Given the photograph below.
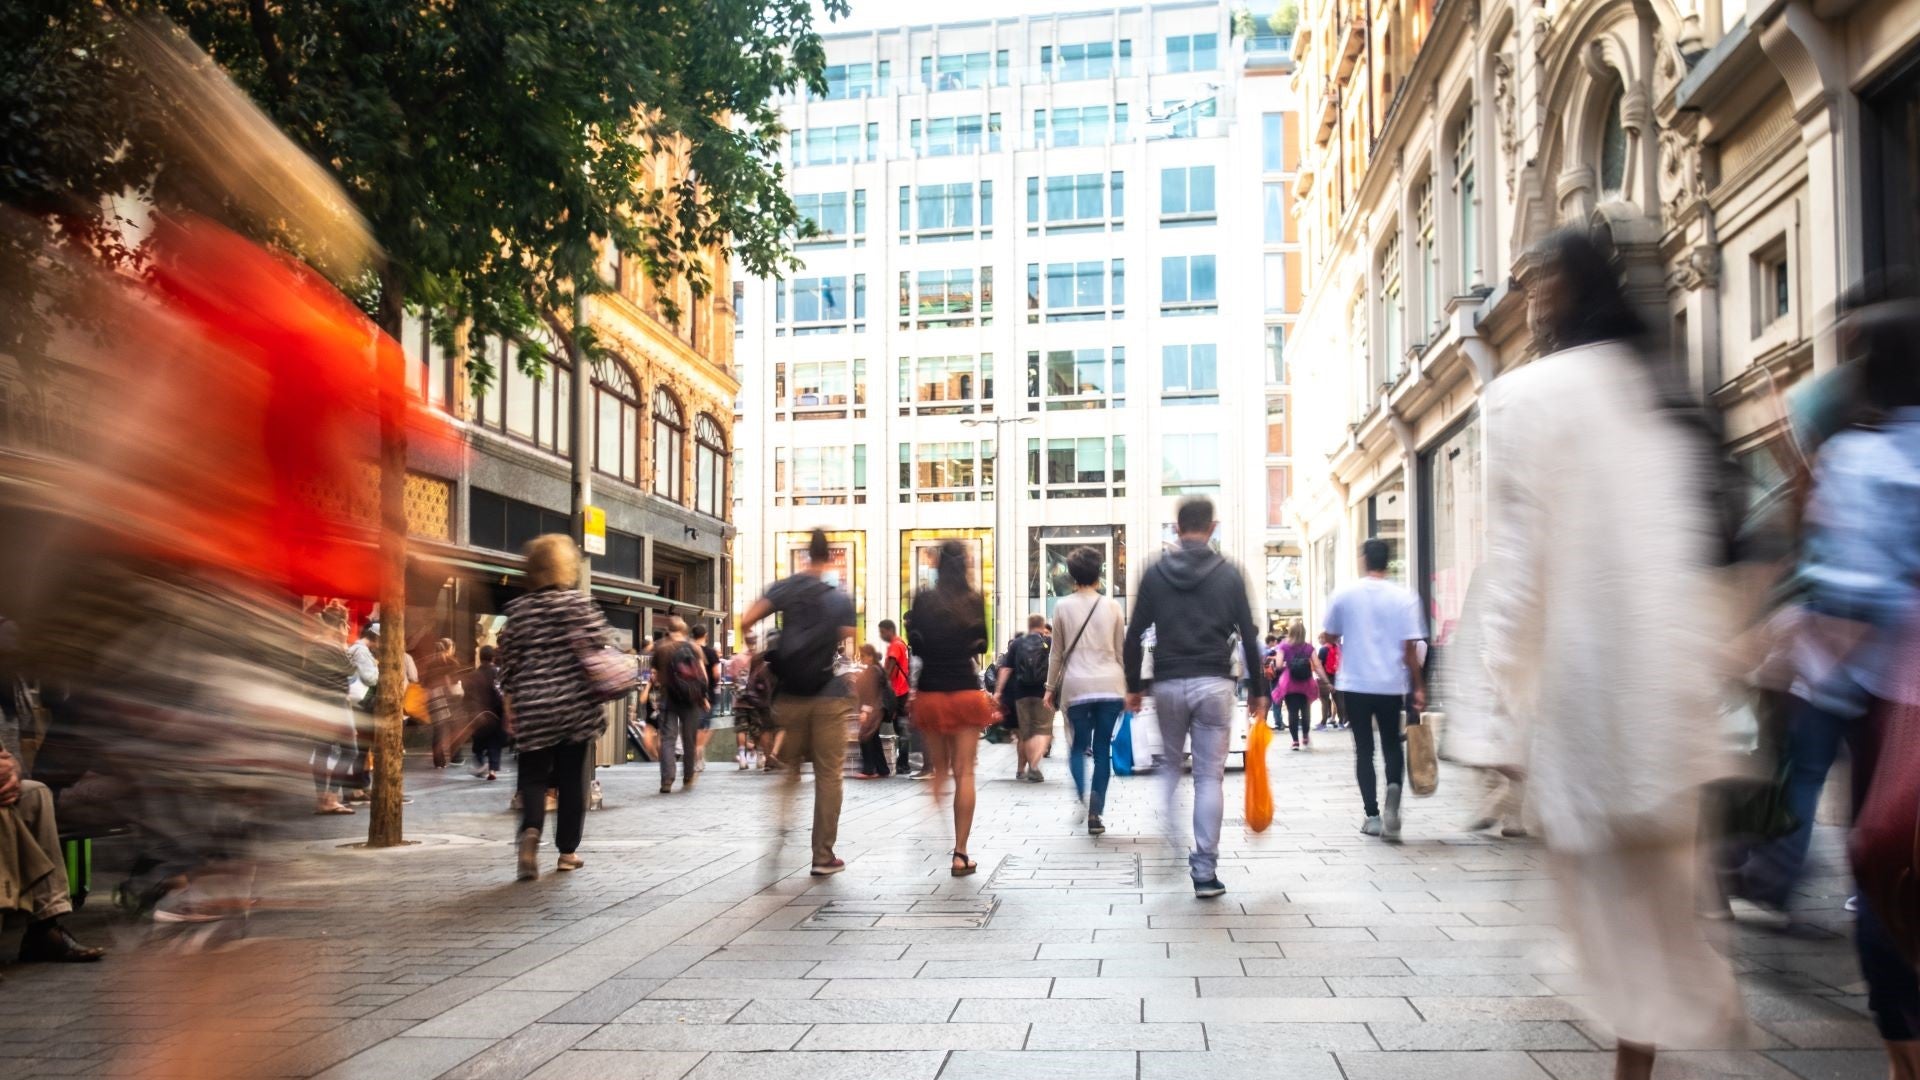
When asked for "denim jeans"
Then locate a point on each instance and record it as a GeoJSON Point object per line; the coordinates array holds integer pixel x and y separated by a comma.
{"type": "Point", "coordinates": [1202, 708]}
{"type": "Point", "coordinates": [1091, 724]}
{"type": "Point", "coordinates": [1814, 737]}
{"type": "Point", "coordinates": [679, 724]}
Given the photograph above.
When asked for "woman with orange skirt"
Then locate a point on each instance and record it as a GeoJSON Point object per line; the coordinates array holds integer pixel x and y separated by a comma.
{"type": "Point", "coordinates": [947, 629]}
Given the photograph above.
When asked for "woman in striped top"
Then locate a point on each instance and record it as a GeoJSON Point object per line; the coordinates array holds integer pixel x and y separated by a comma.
{"type": "Point", "coordinates": [552, 712]}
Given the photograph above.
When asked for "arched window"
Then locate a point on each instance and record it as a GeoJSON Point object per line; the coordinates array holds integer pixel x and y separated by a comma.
{"type": "Point", "coordinates": [709, 467]}
{"type": "Point", "coordinates": [616, 412]}
{"type": "Point", "coordinates": [1613, 148]}
{"type": "Point", "coordinates": [669, 446]}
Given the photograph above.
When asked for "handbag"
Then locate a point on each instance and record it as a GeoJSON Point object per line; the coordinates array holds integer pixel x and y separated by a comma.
{"type": "Point", "coordinates": [611, 674]}
{"type": "Point", "coordinates": [1123, 745]}
{"type": "Point", "coordinates": [1259, 791]}
{"type": "Point", "coordinates": [1423, 764]}
{"type": "Point", "coordinates": [1885, 845]}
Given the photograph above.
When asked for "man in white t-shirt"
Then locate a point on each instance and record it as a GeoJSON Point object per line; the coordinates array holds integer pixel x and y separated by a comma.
{"type": "Point", "coordinates": [1380, 631]}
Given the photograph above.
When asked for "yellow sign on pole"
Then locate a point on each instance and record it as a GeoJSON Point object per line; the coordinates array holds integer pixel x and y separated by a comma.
{"type": "Point", "coordinates": [594, 531]}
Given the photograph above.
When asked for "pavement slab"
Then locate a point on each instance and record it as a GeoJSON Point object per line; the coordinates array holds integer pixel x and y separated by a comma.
{"type": "Point", "coordinates": [694, 946]}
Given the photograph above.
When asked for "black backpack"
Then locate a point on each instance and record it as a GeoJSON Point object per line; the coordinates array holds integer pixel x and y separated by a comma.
{"type": "Point", "coordinates": [1300, 668]}
{"type": "Point", "coordinates": [1031, 653]}
{"type": "Point", "coordinates": [803, 658]}
{"type": "Point", "coordinates": [686, 673]}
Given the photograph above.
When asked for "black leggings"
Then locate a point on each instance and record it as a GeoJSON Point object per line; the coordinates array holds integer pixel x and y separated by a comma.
{"type": "Point", "coordinates": [1364, 712]}
{"type": "Point", "coordinates": [563, 767]}
{"type": "Point", "coordinates": [1297, 716]}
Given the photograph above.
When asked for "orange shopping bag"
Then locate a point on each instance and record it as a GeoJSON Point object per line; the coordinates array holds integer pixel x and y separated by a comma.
{"type": "Point", "coordinates": [1259, 793]}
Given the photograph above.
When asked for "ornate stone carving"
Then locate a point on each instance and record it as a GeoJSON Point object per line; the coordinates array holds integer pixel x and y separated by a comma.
{"type": "Point", "coordinates": [1504, 109]}
{"type": "Point", "coordinates": [1683, 178]}
{"type": "Point", "coordinates": [1699, 270]}
{"type": "Point", "coordinates": [1542, 33]}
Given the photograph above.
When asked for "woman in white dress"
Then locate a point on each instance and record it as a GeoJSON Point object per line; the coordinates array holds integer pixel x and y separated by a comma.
{"type": "Point", "coordinates": [1599, 635]}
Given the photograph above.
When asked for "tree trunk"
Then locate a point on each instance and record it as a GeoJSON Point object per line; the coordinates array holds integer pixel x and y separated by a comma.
{"type": "Point", "coordinates": [389, 736]}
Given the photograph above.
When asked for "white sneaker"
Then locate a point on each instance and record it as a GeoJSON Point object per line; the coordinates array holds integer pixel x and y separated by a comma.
{"type": "Point", "coordinates": [1371, 826]}
{"type": "Point", "coordinates": [1079, 810]}
{"type": "Point", "coordinates": [1391, 817]}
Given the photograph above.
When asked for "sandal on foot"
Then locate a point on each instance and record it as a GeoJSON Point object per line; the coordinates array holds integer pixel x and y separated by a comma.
{"type": "Point", "coordinates": [963, 865]}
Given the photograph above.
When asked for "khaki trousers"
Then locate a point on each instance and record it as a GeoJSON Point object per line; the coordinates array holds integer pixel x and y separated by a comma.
{"type": "Point", "coordinates": [815, 730]}
{"type": "Point", "coordinates": [34, 877]}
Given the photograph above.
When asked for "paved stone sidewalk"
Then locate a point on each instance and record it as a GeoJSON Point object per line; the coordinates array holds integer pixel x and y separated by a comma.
{"type": "Point", "coordinates": [695, 945]}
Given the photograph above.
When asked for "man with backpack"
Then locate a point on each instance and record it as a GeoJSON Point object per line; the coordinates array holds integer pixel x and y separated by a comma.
{"type": "Point", "coordinates": [1195, 602]}
{"type": "Point", "coordinates": [1023, 674]}
{"type": "Point", "coordinates": [680, 671]}
{"type": "Point", "coordinates": [811, 705]}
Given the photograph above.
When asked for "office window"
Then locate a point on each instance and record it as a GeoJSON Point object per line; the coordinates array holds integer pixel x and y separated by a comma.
{"type": "Point", "coordinates": [946, 297]}
{"type": "Point", "coordinates": [949, 135]}
{"type": "Point", "coordinates": [1184, 121]}
{"type": "Point", "coordinates": [738, 309]}
{"type": "Point", "coordinates": [1465, 199]}
{"type": "Point", "coordinates": [518, 404]}
{"type": "Point", "coordinates": [710, 467]}
{"type": "Point", "coordinates": [1276, 356]}
{"type": "Point", "coordinates": [857, 80]}
{"type": "Point", "coordinates": [616, 409]}
{"type": "Point", "coordinates": [502, 524]}
{"type": "Point", "coordinates": [1187, 192]}
{"type": "Point", "coordinates": [945, 207]}
{"type": "Point", "coordinates": [1272, 142]}
{"type": "Point", "coordinates": [1279, 489]}
{"type": "Point", "coordinates": [1273, 283]}
{"type": "Point", "coordinates": [1193, 52]}
{"type": "Point", "coordinates": [1190, 464]}
{"type": "Point", "coordinates": [828, 213]}
{"type": "Point", "coordinates": [1076, 291]}
{"type": "Point", "coordinates": [964, 71]}
{"type": "Point", "coordinates": [669, 446]}
{"type": "Point", "coordinates": [1772, 286]}
{"type": "Point", "coordinates": [1277, 426]}
{"type": "Point", "coordinates": [946, 471]}
{"type": "Point", "coordinates": [1080, 468]}
{"type": "Point", "coordinates": [1390, 357]}
{"type": "Point", "coordinates": [1091, 60]}
{"type": "Point", "coordinates": [1076, 200]}
{"type": "Point", "coordinates": [818, 305]}
{"type": "Point", "coordinates": [1068, 379]}
{"type": "Point", "coordinates": [1187, 284]}
{"type": "Point", "coordinates": [941, 385]}
{"type": "Point", "coordinates": [831, 145]}
{"type": "Point", "coordinates": [1273, 204]}
{"type": "Point", "coordinates": [1427, 254]}
{"type": "Point", "coordinates": [1190, 374]}
{"type": "Point", "coordinates": [1091, 125]}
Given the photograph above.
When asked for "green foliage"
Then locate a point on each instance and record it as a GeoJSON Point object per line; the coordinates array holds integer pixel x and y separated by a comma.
{"type": "Point", "coordinates": [1285, 18]}
{"type": "Point", "coordinates": [494, 146]}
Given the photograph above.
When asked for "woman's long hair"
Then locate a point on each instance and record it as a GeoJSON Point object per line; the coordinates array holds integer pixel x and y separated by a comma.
{"type": "Point", "coordinates": [1597, 307]}
{"type": "Point", "coordinates": [952, 599]}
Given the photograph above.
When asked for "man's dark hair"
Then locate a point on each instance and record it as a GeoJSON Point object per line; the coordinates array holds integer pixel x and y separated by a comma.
{"type": "Point", "coordinates": [699, 632]}
{"type": "Point", "coordinates": [1374, 554]}
{"type": "Point", "coordinates": [659, 636]}
{"type": "Point", "coordinates": [888, 625]}
{"type": "Point", "coordinates": [486, 654]}
{"type": "Point", "coordinates": [1195, 515]}
{"type": "Point", "coordinates": [1273, 639]}
{"type": "Point", "coordinates": [817, 553]}
{"type": "Point", "coordinates": [1084, 565]}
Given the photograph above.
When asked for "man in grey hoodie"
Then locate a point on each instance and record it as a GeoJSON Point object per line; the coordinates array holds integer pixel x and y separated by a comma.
{"type": "Point", "coordinates": [1196, 602]}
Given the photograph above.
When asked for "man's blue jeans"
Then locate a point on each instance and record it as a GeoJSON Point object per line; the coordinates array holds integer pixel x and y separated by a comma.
{"type": "Point", "coordinates": [1202, 708]}
{"type": "Point", "coordinates": [1092, 726]}
{"type": "Point", "coordinates": [1814, 737]}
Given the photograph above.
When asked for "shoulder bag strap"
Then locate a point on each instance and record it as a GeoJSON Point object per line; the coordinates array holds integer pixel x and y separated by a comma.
{"type": "Point", "coordinates": [1053, 687]}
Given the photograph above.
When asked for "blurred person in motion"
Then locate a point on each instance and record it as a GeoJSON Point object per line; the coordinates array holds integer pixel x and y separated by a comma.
{"type": "Point", "coordinates": [1380, 631]}
{"type": "Point", "coordinates": [1087, 677]}
{"type": "Point", "coordinates": [485, 713]}
{"type": "Point", "coordinates": [1023, 680]}
{"type": "Point", "coordinates": [440, 675]}
{"type": "Point", "coordinates": [812, 705]}
{"type": "Point", "coordinates": [1296, 682]}
{"type": "Point", "coordinates": [680, 671]}
{"type": "Point", "coordinates": [749, 712]}
{"type": "Point", "coordinates": [551, 708]}
{"type": "Point", "coordinates": [327, 673]}
{"type": "Point", "coordinates": [873, 691]}
{"type": "Point", "coordinates": [1329, 656]}
{"type": "Point", "coordinates": [1194, 602]}
{"type": "Point", "coordinates": [1603, 535]}
{"type": "Point", "coordinates": [947, 630]}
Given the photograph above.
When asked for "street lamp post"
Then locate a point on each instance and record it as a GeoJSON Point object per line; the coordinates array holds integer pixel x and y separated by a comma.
{"type": "Point", "coordinates": [998, 423]}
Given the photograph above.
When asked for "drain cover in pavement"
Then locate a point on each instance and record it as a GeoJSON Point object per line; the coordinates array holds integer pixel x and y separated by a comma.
{"type": "Point", "coordinates": [1117, 870]}
{"type": "Point", "coordinates": [966, 913]}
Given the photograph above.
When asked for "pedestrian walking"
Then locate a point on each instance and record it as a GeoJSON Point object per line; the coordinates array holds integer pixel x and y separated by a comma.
{"type": "Point", "coordinates": [947, 630]}
{"type": "Point", "coordinates": [898, 667]}
{"type": "Point", "coordinates": [811, 705]}
{"type": "Point", "coordinates": [327, 673]}
{"type": "Point", "coordinates": [1194, 602]}
{"type": "Point", "coordinates": [1329, 657]}
{"type": "Point", "coordinates": [1379, 628]}
{"type": "Point", "coordinates": [698, 635]}
{"type": "Point", "coordinates": [1088, 677]}
{"type": "Point", "coordinates": [440, 676]}
{"type": "Point", "coordinates": [486, 712]}
{"type": "Point", "coordinates": [681, 674]}
{"type": "Point", "coordinates": [1580, 632]}
{"type": "Point", "coordinates": [1023, 680]}
{"type": "Point", "coordinates": [552, 710]}
{"type": "Point", "coordinates": [1297, 678]}
{"type": "Point", "coordinates": [873, 691]}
